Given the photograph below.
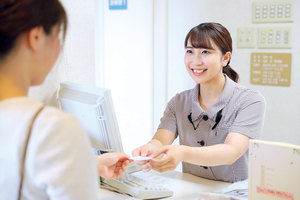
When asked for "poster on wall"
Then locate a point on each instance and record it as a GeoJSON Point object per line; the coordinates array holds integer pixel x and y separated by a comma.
{"type": "Point", "coordinates": [271, 69]}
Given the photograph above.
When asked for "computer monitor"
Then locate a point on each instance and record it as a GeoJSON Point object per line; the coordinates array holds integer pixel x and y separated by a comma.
{"type": "Point", "coordinates": [94, 108]}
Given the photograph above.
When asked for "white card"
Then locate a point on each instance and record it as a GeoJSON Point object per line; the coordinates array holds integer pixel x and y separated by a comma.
{"type": "Point", "coordinates": [139, 158]}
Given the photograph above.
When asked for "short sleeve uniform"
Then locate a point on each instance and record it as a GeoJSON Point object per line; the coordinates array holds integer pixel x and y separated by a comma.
{"type": "Point", "coordinates": [239, 110]}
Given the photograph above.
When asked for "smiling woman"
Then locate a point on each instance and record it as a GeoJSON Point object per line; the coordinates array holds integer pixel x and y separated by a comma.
{"type": "Point", "coordinates": [202, 37]}
{"type": "Point", "coordinates": [214, 121]}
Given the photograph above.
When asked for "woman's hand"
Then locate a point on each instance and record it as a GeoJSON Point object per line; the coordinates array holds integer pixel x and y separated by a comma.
{"type": "Point", "coordinates": [112, 165]}
{"type": "Point", "coordinates": [149, 150]}
{"type": "Point", "coordinates": [167, 158]}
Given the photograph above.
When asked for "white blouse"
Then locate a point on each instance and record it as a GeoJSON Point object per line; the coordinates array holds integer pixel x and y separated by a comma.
{"type": "Point", "coordinates": [59, 163]}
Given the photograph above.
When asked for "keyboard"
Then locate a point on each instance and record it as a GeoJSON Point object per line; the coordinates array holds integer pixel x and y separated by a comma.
{"type": "Point", "coordinates": [137, 187]}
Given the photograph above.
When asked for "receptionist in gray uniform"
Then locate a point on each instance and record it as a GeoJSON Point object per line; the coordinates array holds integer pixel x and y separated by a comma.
{"type": "Point", "coordinates": [214, 121]}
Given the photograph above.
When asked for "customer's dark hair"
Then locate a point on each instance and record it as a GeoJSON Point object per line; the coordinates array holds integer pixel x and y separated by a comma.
{"type": "Point", "coordinates": [19, 16]}
{"type": "Point", "coordinates": [205, 35]}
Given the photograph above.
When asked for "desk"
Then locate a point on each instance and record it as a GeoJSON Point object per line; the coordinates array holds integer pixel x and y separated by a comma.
{"type": "Point", "coordinates": [183, 185]}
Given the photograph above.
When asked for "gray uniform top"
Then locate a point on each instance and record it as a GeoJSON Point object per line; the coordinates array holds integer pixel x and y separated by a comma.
{"type": "Point", "coordinates": [239, 110]}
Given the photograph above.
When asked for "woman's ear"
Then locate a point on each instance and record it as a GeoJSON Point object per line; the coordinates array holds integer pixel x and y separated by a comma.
{"type": "Point", "coordinates": [226, 58]}
{"type": "Point", "coordinates": [35, 37]}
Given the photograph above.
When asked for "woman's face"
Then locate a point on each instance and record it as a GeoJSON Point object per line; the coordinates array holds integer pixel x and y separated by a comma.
{"type": "Point", "coordinates": [204, 65]}
{"type": "Point", "coordinates": [47, 56]}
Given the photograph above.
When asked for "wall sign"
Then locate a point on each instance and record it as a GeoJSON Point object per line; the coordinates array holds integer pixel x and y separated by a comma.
{"type": "Point", "coordinates": [271, 68]}
{"type": "Point", "coordinates": [117, 4]}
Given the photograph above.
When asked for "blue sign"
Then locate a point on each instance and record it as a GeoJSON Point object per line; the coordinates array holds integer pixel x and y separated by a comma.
{"type": "Point", "coordinates": [117, 4]}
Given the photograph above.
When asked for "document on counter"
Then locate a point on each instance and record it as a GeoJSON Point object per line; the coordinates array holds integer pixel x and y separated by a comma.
{"type": "Point", "coordinates": [235, 191]}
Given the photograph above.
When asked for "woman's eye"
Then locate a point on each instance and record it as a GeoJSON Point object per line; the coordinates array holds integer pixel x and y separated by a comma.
{"type": "Point", "coordinates": [205, 52]}
{"type": "Point", "coordinates": [189, 51]}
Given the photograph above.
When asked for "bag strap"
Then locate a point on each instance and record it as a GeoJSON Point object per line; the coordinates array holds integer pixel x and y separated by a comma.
{"type": "Point", "coordinates": [23, 158]}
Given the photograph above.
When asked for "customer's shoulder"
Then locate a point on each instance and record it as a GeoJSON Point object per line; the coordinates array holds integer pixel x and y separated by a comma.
{"type": "Point", "coordinates": [28, 107]}
{"type": "Point", "coordinates": [53, 114]}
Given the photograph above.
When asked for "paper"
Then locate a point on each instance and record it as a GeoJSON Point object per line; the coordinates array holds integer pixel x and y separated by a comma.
{"type": "Point", "coordinates": [236, 191]}
{"type": "Point", "coordinates": [140, 158]}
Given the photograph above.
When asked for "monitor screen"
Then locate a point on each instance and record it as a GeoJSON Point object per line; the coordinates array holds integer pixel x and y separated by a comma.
{"type": "Point", "coordinates": [94, 108]}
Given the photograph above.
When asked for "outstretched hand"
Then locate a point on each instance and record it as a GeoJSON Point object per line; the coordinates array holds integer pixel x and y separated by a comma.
{"type": "Point", "coordinates": [167, 158]}
{"type": "Point", "coordinates": [112, 165]}
{"type": "Point", "coordinates": [146, 150]}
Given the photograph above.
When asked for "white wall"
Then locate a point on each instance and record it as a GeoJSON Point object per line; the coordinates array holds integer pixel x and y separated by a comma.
{"type": "Point", "coordinates": [127, 67]}
{"type": "Point", "coordinates": [282, 115]}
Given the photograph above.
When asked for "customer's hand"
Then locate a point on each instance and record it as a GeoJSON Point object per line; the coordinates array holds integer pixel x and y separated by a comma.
{"type": "Point", "coordinates": [112, 165]}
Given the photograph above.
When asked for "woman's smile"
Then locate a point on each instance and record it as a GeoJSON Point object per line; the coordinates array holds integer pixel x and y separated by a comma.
{"type": "Point", "coordinates": [198, 72]}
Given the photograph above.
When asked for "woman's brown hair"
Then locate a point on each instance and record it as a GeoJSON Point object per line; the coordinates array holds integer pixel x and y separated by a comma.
{"type": "Point", "coordinates": [19, 16]}
{"type": "Point", "coordinates": [205, 35]}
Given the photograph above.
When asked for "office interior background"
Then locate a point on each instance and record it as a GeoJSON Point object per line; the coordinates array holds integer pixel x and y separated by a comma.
{"type": "Point", "coordinates": [138, 53]}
